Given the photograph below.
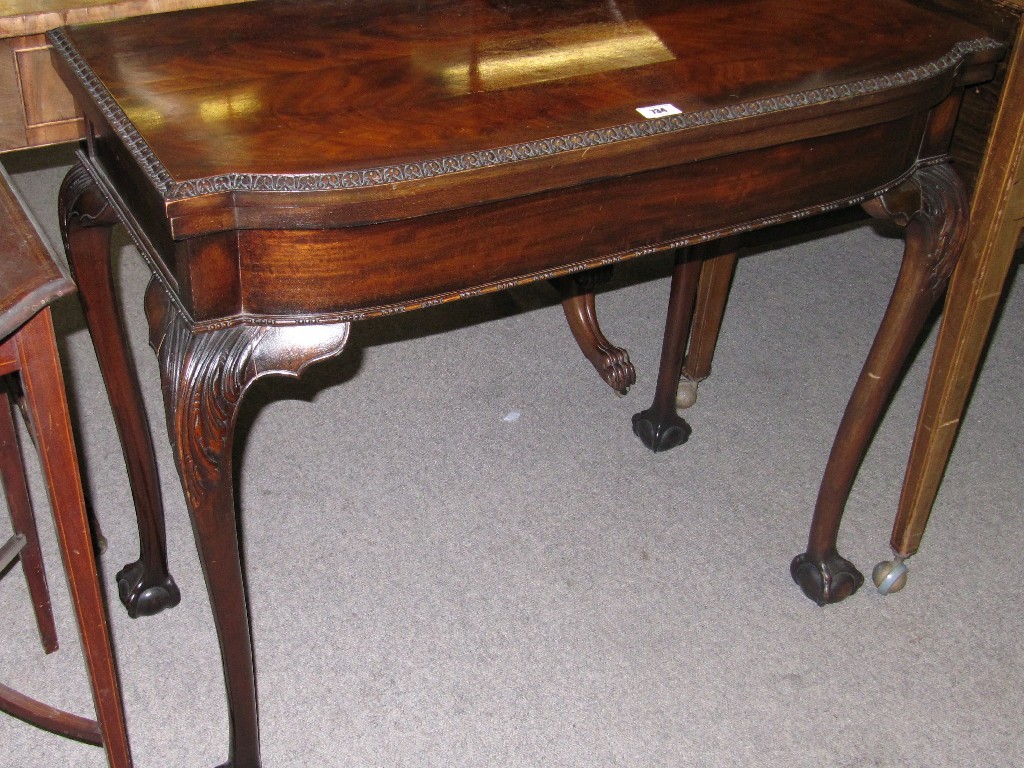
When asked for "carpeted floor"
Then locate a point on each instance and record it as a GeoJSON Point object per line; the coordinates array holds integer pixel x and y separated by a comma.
{"type": "Point", "coordinates": [435, 582]}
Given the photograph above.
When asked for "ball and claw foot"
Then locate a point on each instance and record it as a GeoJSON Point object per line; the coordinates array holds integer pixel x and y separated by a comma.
{"type": "Point", "coordinates": [145, 599]}
{"type": "Point", "coordinates": [825, 580]}
{"type": "Point", "coordinates": [686, 394]}
{"type": "Point", "coordinates": [660, 433]}
{"type": "Point", "coordinates": [890, 576]}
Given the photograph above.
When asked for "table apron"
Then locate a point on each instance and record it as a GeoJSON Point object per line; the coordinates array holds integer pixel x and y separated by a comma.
{"type": "Point", "coordinates": [368, 270]}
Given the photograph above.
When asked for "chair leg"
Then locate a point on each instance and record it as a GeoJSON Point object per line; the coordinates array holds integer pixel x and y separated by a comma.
{"type": "Point", "coordinates": [44, 393]}
{"type": "Point", "coordinates": [12, 472]}
{"type": "Point", "coordinates": [49, 718]}
{"type": "Point", "coordinates": [18, 402]}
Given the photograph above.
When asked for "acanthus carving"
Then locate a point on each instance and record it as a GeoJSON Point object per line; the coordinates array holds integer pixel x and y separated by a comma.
{"type": "Point", "coordinates": [436, 167]}
{"type": "Point", "coordinates": [932, 205]}
{"type": "Point", "coordinates": [81, 199]}
{"type": "Point", "coordinates": [205, 375]}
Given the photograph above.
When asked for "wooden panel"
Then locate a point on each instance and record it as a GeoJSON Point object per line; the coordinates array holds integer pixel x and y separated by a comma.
{"type": "Point", "coordinates": [49, 109]}
{"type": "Point", "coordinates": [28, 17]}
{"type": "Point", "coordinates": [45, 97]}
{"type": "Point", "coordinates": [12, 111]}
{"type": "Point", "coordinates": [29, 278]}
{"type": "Point", "coordinates": [37, 108]}
{"type": "Point", "coordinates": [368, 270]}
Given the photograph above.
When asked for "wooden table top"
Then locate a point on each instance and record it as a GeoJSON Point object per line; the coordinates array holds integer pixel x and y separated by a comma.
{"type": "Point", "coordinates": [29, 277]}
{"type": "Point", "coordinates": [384, 98]}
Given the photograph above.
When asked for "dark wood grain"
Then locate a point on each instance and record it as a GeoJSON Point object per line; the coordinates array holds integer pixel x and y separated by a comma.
{"type": "Point", "coordinates": [306, 97]}
{"type": "Point", "coordinates": [287, 168]}
{"type": "Point", "coordinates": [350, 86]}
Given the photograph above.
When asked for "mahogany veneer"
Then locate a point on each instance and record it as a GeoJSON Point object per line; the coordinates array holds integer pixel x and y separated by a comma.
{"type": "Point", "coordinates": [289, 168]}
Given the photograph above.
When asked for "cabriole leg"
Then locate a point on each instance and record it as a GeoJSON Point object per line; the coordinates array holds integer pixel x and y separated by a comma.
{"type": "Point", "coordinates": [86, 218]}
{"type": "Point", "coordinates": [932, 208]}
{"type": "Point", "coordinates": [205, 375]}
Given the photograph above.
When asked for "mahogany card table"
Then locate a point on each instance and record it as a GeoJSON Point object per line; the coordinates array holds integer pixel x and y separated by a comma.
{"type": "Point", "coordinates": [289, 168]}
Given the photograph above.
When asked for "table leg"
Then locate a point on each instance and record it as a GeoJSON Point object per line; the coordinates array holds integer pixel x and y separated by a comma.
{"type": "Point", "coordinates": [660, 427]}
{"type": "Point", "coordinates": [611, 362]}
{"type": "Point", "coordinates": [932, 208]}
{"type": "Point", "coordinates": [86, 218]}
{"type": "Point", "coordinates": [716, 273]}
{"type": "Point", "coordinates": [19, 504]}
{"type": "Point", "coordinates": [205, 374]}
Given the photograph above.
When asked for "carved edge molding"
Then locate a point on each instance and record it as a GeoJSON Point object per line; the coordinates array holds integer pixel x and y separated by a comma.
{"type": "Point", "coordinates": [171, 189]}
{"type": "Point", "coordinates": [205, 375]}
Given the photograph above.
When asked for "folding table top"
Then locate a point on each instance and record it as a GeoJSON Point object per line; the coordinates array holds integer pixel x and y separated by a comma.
{"type": "Point", "coordinates": [320, 95]}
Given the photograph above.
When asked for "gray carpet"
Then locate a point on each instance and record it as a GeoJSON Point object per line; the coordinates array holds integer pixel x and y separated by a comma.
{"type": "Point", "coordinates": [435, 582]}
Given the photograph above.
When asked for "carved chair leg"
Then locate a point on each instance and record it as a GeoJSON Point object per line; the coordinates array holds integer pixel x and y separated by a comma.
{"type": "Point", "coordinates": [145, 586]}
{"type": "Point", "coordinates": [932, 207]}
{"type": "Point", "coordinates": [611, 362]}
{"type": "Point", "coordinates": [205, 375]}
{"type": "Point", "coordinates": [660, 427]}
{"type": "Point", "coordinates": [12, 472]}
{"type": "Point", "coordinates": [716, 273]}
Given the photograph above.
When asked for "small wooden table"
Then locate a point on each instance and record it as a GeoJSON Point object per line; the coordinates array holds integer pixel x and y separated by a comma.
{"type": "Point", "coordinates": [287, 169]}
